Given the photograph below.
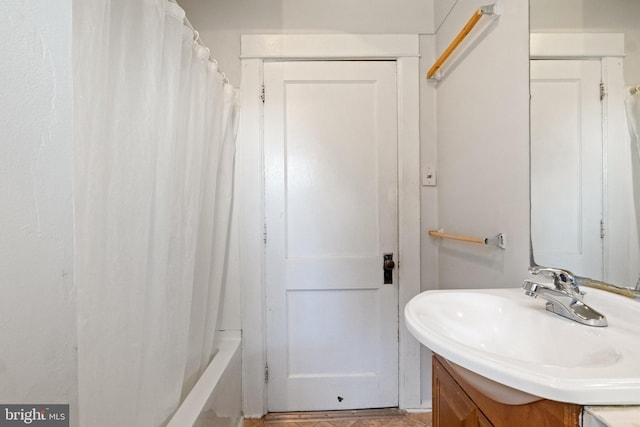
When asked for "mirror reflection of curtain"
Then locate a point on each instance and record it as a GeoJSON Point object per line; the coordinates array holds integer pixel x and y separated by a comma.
{"type": "Point", "coordinates": [632, 104]}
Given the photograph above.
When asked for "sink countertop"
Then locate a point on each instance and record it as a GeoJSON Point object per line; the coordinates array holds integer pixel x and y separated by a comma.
{"type": "Point", "coordinates": [616, 416]}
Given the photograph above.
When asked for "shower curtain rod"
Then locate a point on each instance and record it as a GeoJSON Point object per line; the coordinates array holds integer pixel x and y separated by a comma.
{"type": "Point", "coordinates": [635, 90]}
{"type": "Point", "coordinates": [198, 40]}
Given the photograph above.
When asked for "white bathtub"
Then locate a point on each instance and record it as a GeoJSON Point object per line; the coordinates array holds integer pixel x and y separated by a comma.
{"type": "Point", "coordinates": [216, 399]}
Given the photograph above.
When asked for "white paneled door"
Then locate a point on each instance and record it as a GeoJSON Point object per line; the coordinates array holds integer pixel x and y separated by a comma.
{"type": "Point", "coordinates": [331, 216]}
{"type": "Point", "coordinates": [566, 165]}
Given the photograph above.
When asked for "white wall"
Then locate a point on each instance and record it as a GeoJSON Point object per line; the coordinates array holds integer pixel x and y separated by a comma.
{"type": "Point", "coordinates": [441, 9]}
{"type": "Point", "coordinates": [221, 22]}
{"type": "Point", "coordinates": [614, 16]}
{"type": "Point", "coordinates": [483, 148]}
{"type": "Point", "coordinates": [37, 308]}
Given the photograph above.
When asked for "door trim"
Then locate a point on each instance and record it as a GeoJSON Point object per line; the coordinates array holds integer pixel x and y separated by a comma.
{"type": "Point", "coordinates": [255, 50]}
{"type": "Point", "coordinates": [575, 45]}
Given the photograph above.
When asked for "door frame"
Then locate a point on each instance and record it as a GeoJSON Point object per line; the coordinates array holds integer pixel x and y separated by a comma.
{"type": "Point", "coordinates": [609, 49]}
{"type": "Point", "coordinates": [255, 50]}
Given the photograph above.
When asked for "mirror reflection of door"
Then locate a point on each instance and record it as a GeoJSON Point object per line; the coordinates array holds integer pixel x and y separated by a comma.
{"type": "Point", "coordinates": [566, 165]}
{"type": "Point", "coordinates": [609, 31]}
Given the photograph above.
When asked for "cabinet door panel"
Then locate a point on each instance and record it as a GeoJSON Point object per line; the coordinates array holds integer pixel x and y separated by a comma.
{"type": "Point", "coordinates": [483, 421]}
{"type": "Point", "coordinates": [451, 405]}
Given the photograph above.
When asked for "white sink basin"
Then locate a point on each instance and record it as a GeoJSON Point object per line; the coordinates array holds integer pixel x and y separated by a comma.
{"type": "Point", "coordinates": [512, 339]}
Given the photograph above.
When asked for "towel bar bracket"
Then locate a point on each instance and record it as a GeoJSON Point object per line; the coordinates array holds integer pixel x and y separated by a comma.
{"type": "Point", "coordinates": [490, 9]}
{"type": "Point", "coordinates": [499, 240]}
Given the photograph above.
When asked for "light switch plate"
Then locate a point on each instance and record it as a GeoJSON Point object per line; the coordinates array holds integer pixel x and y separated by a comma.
{"type": "Point", "coordinates": [429, 176]}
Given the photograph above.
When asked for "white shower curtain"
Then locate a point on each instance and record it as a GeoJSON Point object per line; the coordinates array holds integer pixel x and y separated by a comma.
{"type": "Point", "coordinates": [155, 126]}
{"type": "Point", "coordinates": [632, 104]}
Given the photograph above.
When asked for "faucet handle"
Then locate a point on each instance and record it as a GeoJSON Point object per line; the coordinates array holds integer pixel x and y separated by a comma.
{"type": "Point", "coordinates": [562, 279]}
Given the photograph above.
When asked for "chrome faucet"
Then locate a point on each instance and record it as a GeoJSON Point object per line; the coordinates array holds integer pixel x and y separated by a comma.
{"type": "Point", "coordinates": [564, 298]}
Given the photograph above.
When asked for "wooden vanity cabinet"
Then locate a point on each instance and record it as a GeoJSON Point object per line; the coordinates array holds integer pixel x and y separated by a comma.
{"type": "Point", "coordinates": [458, 404]}
{"type": "Point", "coordinates": [452, 407]}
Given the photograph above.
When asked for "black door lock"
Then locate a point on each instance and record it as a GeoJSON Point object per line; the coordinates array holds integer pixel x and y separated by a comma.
{"type": "Point", "coordinates": [387, 267]}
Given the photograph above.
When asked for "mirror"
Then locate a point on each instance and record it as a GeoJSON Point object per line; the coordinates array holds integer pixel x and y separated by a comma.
{"type": "Point", "coordinates": [585, 156]}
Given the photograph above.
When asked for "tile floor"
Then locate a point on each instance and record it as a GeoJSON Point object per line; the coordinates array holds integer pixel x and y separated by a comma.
{"type": "Point", "coordinates": [328, 419]}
